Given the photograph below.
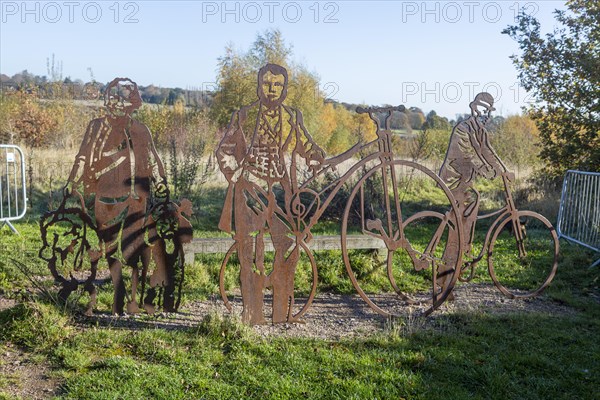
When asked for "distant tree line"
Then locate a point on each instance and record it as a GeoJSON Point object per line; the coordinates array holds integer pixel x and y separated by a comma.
{"type": "Point", "coordinates": [39, 111]}
{"type": "Point", "coordinates": [46, 88]}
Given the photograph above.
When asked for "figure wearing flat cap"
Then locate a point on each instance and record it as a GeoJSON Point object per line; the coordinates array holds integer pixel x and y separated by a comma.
{"type": "Point", "coordinates": [469, 156]}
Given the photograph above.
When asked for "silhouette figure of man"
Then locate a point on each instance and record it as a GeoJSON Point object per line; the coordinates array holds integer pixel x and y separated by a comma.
{"type": "Point", "coordinates": [117, 174]}
{"type": "Point", "coordinates": [264, 147]}
{"type": "Point", "coordinates": [470, 155]}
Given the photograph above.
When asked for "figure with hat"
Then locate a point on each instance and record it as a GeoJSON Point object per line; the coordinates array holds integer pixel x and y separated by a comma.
{"type": "Point", "coordinates": [120, 184]}
{"type": "Point", "coordinates": [469, 156]}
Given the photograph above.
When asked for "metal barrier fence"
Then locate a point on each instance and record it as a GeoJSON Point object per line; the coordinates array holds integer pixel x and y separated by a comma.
{"type": "Point", "coordinates": [13, 190]}
{"type": "Point", "coordinates": [579, 212]}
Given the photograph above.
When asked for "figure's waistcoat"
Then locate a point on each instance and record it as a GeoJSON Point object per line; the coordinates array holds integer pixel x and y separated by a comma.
{"type": "Point", "coordinates": [265, 157]}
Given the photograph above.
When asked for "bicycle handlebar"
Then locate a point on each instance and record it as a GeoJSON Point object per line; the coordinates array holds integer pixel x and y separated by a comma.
{"type": "Point", "coordinates": [364, 110]}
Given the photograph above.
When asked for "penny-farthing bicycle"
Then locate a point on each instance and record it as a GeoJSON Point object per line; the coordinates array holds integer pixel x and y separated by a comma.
{"type": "Point", "coordinates": [384, 193]}
{"type": "Point", "coordinates": [385, 197]}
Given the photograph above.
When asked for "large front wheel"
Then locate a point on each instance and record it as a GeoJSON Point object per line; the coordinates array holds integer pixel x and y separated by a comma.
{"type": "Point", "coordinates": [422, 256]}
{"type": "Point", "coordinates": [523, 254]}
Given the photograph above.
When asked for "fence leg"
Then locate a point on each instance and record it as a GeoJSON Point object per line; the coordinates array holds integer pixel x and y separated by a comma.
{"type": "Point", "coordinates": [12, 228]}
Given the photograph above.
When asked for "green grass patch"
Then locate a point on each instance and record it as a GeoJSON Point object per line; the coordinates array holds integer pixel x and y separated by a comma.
{"type": "Point", "coordinates": [473, 355]}
{"type": "Point", "coordinates": [533, 356]}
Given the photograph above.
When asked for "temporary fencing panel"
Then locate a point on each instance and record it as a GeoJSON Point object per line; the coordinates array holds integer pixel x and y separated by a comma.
{"type": "Point", "coordinates": [13, 190]}
{"type": "Point", "coordinates": [579, 213]}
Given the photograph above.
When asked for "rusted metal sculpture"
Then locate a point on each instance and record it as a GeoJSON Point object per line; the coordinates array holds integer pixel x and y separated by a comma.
{"type": "Point", "coordinates": [469, 156]}
{"type": "Point", "coordinates": [266, 150]}
{"type": "Point", "coordinates": [252, 156]}
{"type": "Point", "coordinates": [376, 202]}
{"type": "Point", "coordinates": [117, 190]}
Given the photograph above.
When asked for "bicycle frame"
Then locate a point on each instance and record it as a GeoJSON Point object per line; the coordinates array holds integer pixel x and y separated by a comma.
{"type": "Point", "coordinates": [301, 214]}
{"type": "Point", "coordinates": [508, 211]}
{"type": "Point", "coordinates": [382, 154]}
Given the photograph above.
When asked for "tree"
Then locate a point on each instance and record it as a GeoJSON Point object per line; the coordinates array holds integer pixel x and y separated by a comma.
{"type": "Point", "coordinates": [420, 148]}
{"type": "Point", "coordinates": [236, 85]}
{"type": "Point", "coordinates": [34, 121]}
{"type": "Point", "coordinates": [304, 94]}
{"type": "Point", "coordinates": [237, 74]}
{"type": "Point", "coordinates": [434, 121]}
{"type": "Point", "coordinates": [9, 112]}
{"type": "Point", "coordinates": [334, 127]}
{"type": "Point", "coordinates": [363, 128]}
{"type": "Point", "coordinates": [270, 47]}
{"type": "Point", "coordinates": [562, 72]}
{"type": "Point", "coordinates": [416, 118]}
{"type": "Point", "coordinates": [496, 122]}
{"type": "Point", "coordinates": [516, 140]}
{"type": "Point", "coordinates": [328, 125]}
{"type": "Point", "coordinates": [399, 121]}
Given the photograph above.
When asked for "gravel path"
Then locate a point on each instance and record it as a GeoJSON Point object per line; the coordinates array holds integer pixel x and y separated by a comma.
{"type": "Point", "coordinates": [333, 316]}
{"type": "Point", "coordinates": [24, 376]}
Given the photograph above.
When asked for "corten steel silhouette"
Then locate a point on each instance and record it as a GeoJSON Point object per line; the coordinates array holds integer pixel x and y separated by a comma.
{"type": "Point", "coordinates": [382, 187]}
{"type": "Point", "coordinates": [469, 156]}
{"type": "Point", "coordinates": [252, 156]}
{"type": "Point", "coordinates": [266, 150]}
{"type": "Point", "coordinates": [119, 183]}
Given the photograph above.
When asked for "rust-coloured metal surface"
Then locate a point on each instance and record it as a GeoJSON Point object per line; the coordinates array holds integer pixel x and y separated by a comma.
{"type": "Point", "coordinates": [470, 156]}
{"type": "Point", "coordinates": [117, 192]}
{"type": "Point", "coordinates": [252, 156]}
{"type": "Point", "coordinates": [267, 151]}
{"type": "Point", "coordinates": [388, 175]}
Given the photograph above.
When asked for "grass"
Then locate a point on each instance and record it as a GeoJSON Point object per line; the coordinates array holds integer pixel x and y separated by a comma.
{"type": "Point", "coordinates": [538, 355]}
{"type": "Point", "coordinates": [469, 355]}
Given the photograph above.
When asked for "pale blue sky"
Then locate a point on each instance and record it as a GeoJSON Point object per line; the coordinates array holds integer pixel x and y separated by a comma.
{"type": "Point", "coordinates": [432, 55]}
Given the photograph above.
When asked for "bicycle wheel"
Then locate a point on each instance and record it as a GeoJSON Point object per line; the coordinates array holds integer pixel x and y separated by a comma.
{"type": "Point", "coordinates": [386, 205]}
{"type": "Point", "coordinates": [305, 282]}
{"type": "Point", "coordinates": [229, 275]}
{"type": "Point", "coordinates": [434, 238]}
{"type": "Point", "coordinates": [70, 244]}
{"type": "Point", "coordinates": [526, 270]}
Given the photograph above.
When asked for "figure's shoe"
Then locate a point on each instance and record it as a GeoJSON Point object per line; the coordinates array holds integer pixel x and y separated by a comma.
{"type": "Point", "coordinates": [296, 321]}
{"type": "Point", "coordinates": [150, 309]}
{"type": "Point", "coordinates": [133, 308]}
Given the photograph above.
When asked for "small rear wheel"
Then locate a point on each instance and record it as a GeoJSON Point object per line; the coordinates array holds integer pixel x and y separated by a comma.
{"type": "Point", "coordinates": [434, 238]}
